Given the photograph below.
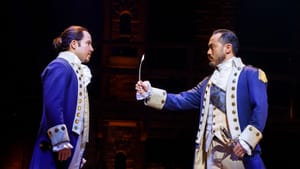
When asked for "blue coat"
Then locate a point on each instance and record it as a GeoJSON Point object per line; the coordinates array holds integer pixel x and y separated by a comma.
{"type": "Point", "coordinates": [251, 104]}
{"type": "Point", "coordinates": [60, 86]}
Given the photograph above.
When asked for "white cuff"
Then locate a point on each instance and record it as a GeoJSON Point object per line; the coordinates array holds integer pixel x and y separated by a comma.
{"type": "Point", "coordinates": [58, 134]}
{"type": "Point", "coordinates": [251, 136]}
{"type": "Point", "coordinates": [62, 146]}
{"type": "Point", "coordinates": [157, 99]}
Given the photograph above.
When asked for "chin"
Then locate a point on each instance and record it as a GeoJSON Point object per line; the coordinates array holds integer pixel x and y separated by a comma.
{"type": "Point", "coordinates": [212, 64]}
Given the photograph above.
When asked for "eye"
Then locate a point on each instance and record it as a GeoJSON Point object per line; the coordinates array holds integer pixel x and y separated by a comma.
{"type": "Point", "coordinates": [89, 42]}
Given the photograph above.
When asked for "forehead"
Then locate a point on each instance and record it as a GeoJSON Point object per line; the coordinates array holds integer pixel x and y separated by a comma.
{"type": "Point", "coordinates": [86, 36]}
{"type": "Point", "coordinates": [214, 38]}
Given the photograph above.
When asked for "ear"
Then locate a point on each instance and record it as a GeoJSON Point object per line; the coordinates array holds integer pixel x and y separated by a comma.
{"type": "Point", "coordinates": [73, 44]}
{"type": "Point", "coordinates": [228, 48]}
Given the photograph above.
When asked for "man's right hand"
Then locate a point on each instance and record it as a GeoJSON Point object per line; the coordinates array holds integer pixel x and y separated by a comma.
{"type": "Point", "coordinates": [143, 89]}
{"type": "Point", "coordinates": [64, 154]}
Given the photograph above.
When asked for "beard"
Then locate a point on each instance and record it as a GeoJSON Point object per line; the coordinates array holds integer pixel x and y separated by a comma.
{"type": "Point", "coordinates": [212, 64]}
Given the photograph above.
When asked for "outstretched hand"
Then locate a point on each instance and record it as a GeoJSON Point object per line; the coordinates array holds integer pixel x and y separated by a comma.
{"type": "Point", "coordinates": [142, 87]}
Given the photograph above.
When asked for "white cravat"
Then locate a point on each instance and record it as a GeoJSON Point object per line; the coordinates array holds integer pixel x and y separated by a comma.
{"type": "Point", "coordinates": [221, 75]}
{"type": "Point", "coordinates": [86, 74]}
{"type": "Point", "coordinates": [72, 58]}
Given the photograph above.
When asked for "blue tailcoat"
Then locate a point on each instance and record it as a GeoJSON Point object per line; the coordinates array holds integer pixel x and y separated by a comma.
{"type": "Point", "coordinates": [60, 86]}
{"type": "Point", "coordinates": [252, 106]}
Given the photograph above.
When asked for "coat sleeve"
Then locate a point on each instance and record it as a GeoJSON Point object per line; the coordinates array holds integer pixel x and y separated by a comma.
{"type": "Point", "coordinates": [186, 100]}
{"type": "Point", "coordinates": [257, 85]}
{"type": "Point", "coordinates": [55, 79]}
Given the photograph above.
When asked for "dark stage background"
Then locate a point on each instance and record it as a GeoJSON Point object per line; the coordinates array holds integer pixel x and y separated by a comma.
{"type": "Point", "coordinates": [269, 37]}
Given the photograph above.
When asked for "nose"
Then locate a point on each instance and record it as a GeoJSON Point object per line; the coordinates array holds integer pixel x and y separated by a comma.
{"type": "Point", "coordinates": [92, 49]}
{"type": "Point", "coordinates": [208, 52]}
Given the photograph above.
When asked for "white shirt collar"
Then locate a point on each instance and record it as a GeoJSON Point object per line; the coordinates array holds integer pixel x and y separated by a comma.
{"type": "Point", "coordinates": [225, 65]}
{"type": "Point", "coordinates": [72, 58]}
{"type": "Point", "coordinates": [222, 72]}
{"type": "Point", "coordinates": [69, 56]}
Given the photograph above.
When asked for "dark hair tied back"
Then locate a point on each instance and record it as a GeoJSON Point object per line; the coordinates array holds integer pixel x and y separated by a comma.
{"type": "Point", "coordinates": [62, 42]}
